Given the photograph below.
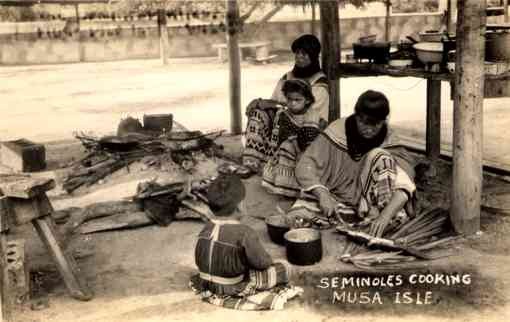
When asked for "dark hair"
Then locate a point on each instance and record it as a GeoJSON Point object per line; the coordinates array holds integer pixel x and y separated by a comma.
{"type": "Point", "coordinates": [312, 46]}
{"type": "Point", "coordinates": [373, 104]}
{"type": "Point", "coordinates": [299, 86]}
{"type": "Point", "coordinates": [225, 193]}
{"type": "Point", "coordinates": [309, 43]}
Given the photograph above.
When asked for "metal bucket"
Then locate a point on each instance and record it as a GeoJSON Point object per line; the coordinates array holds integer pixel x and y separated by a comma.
{"type": "Point", "coordinates": [497, 46]}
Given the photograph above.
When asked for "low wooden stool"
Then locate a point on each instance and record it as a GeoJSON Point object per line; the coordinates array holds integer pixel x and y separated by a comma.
{"type": "Point", "coordinates": [23, 200]}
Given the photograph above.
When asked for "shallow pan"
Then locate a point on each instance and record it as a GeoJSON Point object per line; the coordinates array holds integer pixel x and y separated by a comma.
{"type": "Point", "coordinates": [118, 143]}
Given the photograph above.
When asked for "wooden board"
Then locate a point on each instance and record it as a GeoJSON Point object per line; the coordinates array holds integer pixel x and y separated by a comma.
{"type": "Point", "coordinates": [20, 186]}
{"type": "Point", "coordinates": [6, 215]}
{"type": "Point", "coordinates": [65, 262]}
{"type": "Point", "coordinates": [26, 210]}
{"type": "Point", "coordinates": [119, 221]}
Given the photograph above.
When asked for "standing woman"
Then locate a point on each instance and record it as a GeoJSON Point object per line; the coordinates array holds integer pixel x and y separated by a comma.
{"type": "Point", "coordinates": [261, 112]}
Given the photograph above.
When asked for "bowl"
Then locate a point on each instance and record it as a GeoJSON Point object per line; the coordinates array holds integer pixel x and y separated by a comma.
{"type": "Point", "coordinates": [276, 228]}
{"type": "Point", "coordinates": [303, 246]}
{"type": "Point", "coordinates": [429, 52]}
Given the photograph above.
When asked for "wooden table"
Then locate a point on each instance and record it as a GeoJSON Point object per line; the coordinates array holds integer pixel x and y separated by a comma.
{"type": "Point", "coordinates": [433, 127]}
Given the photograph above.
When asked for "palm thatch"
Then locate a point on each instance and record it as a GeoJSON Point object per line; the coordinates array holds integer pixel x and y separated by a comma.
{"type": "Point", "coordinates": [305, 3]}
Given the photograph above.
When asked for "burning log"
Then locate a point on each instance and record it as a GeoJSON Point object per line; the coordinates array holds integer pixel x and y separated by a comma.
{"type": "Point", "coordinates": [112, 153]}
{"type": "Point", "coordinates": [88, 178]}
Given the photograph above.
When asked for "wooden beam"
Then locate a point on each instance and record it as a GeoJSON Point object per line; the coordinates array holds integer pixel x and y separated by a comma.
{"type": "Point", "coordinates": [163, 36]}
{"type": "Point", "coordinates": [330, 27]}
{"type": "Point", "coordinates": [314, 19]}
{"type": "Point", "coordinates": [468, 117]}
{"type": "Point", "coordinates": [66, 265]}
{"type": "Point", "coordinates": [433, 142]}
{"type": "Point", "coordinates": [369, 70]}
{"type": "Point", "coordinates": [452, 15]}
{"type": "Point", "coordinates": [77, 14]}
{"type": "Point", "coordinates": [387, 25]}
{"type": "Point", "coordinates": [505, 9]}
{"type": "Point", "coordinates": [234, 66]}
{"type": "Point", "coordinates": [6, 300]}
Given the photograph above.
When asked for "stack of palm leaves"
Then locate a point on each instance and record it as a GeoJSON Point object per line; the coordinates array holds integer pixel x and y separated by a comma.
{"type": "Point", "coordinates": [416, 239]}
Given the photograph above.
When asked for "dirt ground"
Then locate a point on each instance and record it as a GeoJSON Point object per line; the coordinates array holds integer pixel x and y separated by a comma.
{"type": "Point", "coordinates": [92, 97]}
{"type": "Point", "coordinates": [141, 274]}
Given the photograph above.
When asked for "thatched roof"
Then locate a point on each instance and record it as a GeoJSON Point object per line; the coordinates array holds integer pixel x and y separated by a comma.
{"type": "Point", "coordinates": [356, 3]}
{"type": "Point", "coordinates": [62, 2]}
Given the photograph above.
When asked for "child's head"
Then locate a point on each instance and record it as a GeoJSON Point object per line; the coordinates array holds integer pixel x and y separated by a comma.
{"type": "Point", "coordinates": [298, 94]}
{"type": "Point", "coordinates": [225, 194]}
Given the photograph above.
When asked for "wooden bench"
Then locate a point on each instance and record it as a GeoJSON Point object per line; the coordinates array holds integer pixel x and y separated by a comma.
{"type": "Point", "coordinates": [261, 51]}
{"type": "Point", "coordinates": [23, 200]}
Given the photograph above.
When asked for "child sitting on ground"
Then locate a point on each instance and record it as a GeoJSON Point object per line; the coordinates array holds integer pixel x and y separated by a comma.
{"type": "Point", "coordinates": [295, 127]}
{"type": "Point", "coordinates": [235, 271]}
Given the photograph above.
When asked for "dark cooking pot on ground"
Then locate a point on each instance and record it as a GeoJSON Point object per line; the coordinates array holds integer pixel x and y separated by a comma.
{"type": "Point", "coordinates": [277, 227]}
{"type": "Point", "coordinates": [304, 246]}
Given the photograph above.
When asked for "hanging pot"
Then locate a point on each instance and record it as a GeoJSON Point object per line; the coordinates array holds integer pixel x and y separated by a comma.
{"type": "Point", "coordinates": [304, 246]}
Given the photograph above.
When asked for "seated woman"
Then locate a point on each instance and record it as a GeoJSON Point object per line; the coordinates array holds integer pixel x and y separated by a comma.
{"type": "Point", "coordinates": [357, 170]}
{"type": "Point", "coordinates": [261, 112]}
{"type": "Point", "coordinates": [235, 271]}
{"type": "Point", "coordinates": [292, 133]}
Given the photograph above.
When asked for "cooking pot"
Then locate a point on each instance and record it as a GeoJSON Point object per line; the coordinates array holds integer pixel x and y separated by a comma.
{"type": "Point", "coordinates": [497, 46]}
{"type": "Point", "coordinates": [379, 52]}
{"type": "Point", "coordinates": [276, 228]}
{"type": "Point", "coordinates": [303, 246]}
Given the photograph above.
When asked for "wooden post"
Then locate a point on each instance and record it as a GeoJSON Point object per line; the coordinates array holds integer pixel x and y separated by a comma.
{"type": "Point", "coordinates": [468, 117]}
{"type": "Point", "coordinates": [505, 9]}
{"type": "Point", "coordinates": [77, 14]}
{"type": "Point", "coordinates": [433, 144]}
{"type": "Point", "coordinates": [234, 66]}
{"type": "Point", "coordinates": [330, 31]}
{"type": "Point", "coordinates": [314, 18]}
{"type": "Point", "coordinates": [387, 25]}
{"type": "Point", "coordinates": [5, 298]}
{"type": "Point", "coordinates": [452, 15]}
{"type": "Point", "coordinates": [163, 36]}
{"type": "Point", "coordinates": [81, 47]}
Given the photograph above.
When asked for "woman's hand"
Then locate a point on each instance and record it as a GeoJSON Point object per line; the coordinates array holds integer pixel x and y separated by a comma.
{"type": "Point", "coordinates": [327, 203]}
{"type": "Point", "coordinates": [379, 224]}
{"type": "Point", "coordinates": [397, 202]}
